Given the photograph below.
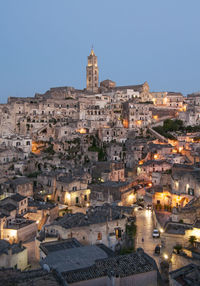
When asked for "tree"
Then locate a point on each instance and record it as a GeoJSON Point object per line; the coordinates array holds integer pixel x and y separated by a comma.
{"type": "Point", "coordinates": [192, 239]}
{"type": "Point", "coordinates": [178, 247]}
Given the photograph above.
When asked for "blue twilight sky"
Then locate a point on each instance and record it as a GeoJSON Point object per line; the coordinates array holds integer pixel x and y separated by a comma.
{"type": "Point", "coordinates": [45, 43]}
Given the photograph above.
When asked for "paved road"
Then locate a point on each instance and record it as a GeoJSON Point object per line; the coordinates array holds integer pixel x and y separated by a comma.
{"type": "Point", "coordinates": [144, 222]}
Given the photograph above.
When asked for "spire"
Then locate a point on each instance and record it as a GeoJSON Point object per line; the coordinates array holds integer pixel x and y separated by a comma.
{"type": "Point", "coordinates": [92, 51]}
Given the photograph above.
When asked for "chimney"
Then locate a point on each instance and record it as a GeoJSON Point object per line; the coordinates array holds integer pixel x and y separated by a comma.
{"type": "Point", "coordinates": [9, 251]}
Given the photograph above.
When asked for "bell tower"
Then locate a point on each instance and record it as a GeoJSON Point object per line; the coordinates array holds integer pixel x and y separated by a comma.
{"type": "Point", "coordinates": [92, 71]}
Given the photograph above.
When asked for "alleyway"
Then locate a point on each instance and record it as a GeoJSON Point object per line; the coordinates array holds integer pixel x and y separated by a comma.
{"type": "Point", "coordinates": [145, 228]}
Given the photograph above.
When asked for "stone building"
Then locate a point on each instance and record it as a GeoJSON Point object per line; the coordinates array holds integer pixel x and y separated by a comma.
{"type": "Point", "coordinates": [130, 269]}
{"type": "Point", "coordinates": [109, 192]}
{"type": "Point", "coordinates": [190, 116]}
{"type": "Point", "coordinates": [23, 143]}
{"type": "Point", "coordinates": [71, 191]}
{"type": "Point", "coordinates": [136, 115]}
{"type": "Point", "coordinates": [41, 212]}
{"type": "Point", "coordinates": [13, 255]}
{"type": "Point", "coordinates": [15, 202]}
{"type": "Point", "coordinates": [115, 152]}
{"type": "Point", "coordinates": [108, 171]}
{"type": "Point", "coordinates": [150, 166]}
{"type": "Point", "coordinates": [134, 269]}
{"type": "Point", "coordinates": [19, 229]}
{"type": "Point", "coordinates": [20, 185]}
{"type": "Point", "coordinates": [181, 276]}
{"type": "Point", "coordinates": [187, 182]}
{"type": "Point", "coordinates": [189, 214]}
{"type": "Point", "coordinates": [159, 98]}
{"type": "Point", "coordinates": [10, 155]}
{"type": "Point", "coordinates": [103, 224]}
{"type": "Point", "coordinates": [175, 100]}
{"type": "Point", "coordinates": [136, 149]}
{"type": "Point", "coordinates": [116, 133]}
{"type": "Point", "coordinates": [167, 198]}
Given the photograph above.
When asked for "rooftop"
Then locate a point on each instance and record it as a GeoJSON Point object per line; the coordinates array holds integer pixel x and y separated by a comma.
{"type": "Point", "coordinates": [40, 205]}
{"type": "Point", "coordinates": [122, 265]}
{"type": "Point", "coordinates": [19, 223]}
{"type": "Point", "coordinates": [94, 216]}
{"type": "Point", "coordinates": [53, 246]}
{"type": "Point", "coordinates": [17, 197]}
{"type": "Point", "coordinates": [74, 258]}
{"type": "Point", "coordinates": [156, 162]}
{"type": "Point", "coordinates": [5, 246]}
{"type": "Point", "coordinates": [187, 275]}
{"type": "Point", "coordinates": [18, 181]}
{"type": "Point", "coordinates": [8, 207]}
{"type": "Point", "coordinates": [29, 278]}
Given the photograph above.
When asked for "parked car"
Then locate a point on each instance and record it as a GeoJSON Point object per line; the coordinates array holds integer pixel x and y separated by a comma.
{"type": "Point", "coordinates": [156, 233]}
{"type": "Point", "coordinates": [157, 249]}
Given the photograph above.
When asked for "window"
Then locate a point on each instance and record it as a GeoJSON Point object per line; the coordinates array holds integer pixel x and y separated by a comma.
{"type": "Point", "coordinates": [28, 143]}
{"type": "Point", "coordinates": [74, 188]}
{"type": "Point", "coordinates": [158, 202]}
{"type": "Point", "coordinates": [77, 200]}
{"type": "Point", "coordinates": [85, 197]}
{"type": "Point", "coordinates": [99, 236]}
{"type": "Point", "coordinates": [118, 232]}
{"type": "Point", "coordinates": [190, 191]}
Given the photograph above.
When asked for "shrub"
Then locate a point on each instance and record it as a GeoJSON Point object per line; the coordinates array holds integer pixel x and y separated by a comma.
{"type": "Point", "coordinates": [192, 239]}
{"type": "Point", "coordinates": [178, 247]}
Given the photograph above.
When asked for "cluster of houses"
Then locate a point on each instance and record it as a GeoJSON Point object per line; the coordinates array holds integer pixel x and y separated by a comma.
{"type": "Point", "coordinates": [73, 165]}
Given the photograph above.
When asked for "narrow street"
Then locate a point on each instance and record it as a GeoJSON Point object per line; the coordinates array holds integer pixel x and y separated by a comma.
{"type": "Point", "coordinates": [144, 222]}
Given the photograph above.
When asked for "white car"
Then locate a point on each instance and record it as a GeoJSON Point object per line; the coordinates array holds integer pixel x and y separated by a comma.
{"type": "Point", "coordinates": [156, 233]}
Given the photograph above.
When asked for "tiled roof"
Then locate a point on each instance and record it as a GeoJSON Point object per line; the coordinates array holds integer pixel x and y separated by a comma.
{"type": "Point", "coordinates": [17, 197]}
{"type": "Point", "coordinates": [53, 246]}
{"type": "Point", "coordinates": [122, 265]}
{"type": "Point", "coordinates": [94, 216]}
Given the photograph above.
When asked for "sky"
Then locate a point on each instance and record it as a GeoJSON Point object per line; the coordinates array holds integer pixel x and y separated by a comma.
{"type": "Point", "coordinates": [45, 43]}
